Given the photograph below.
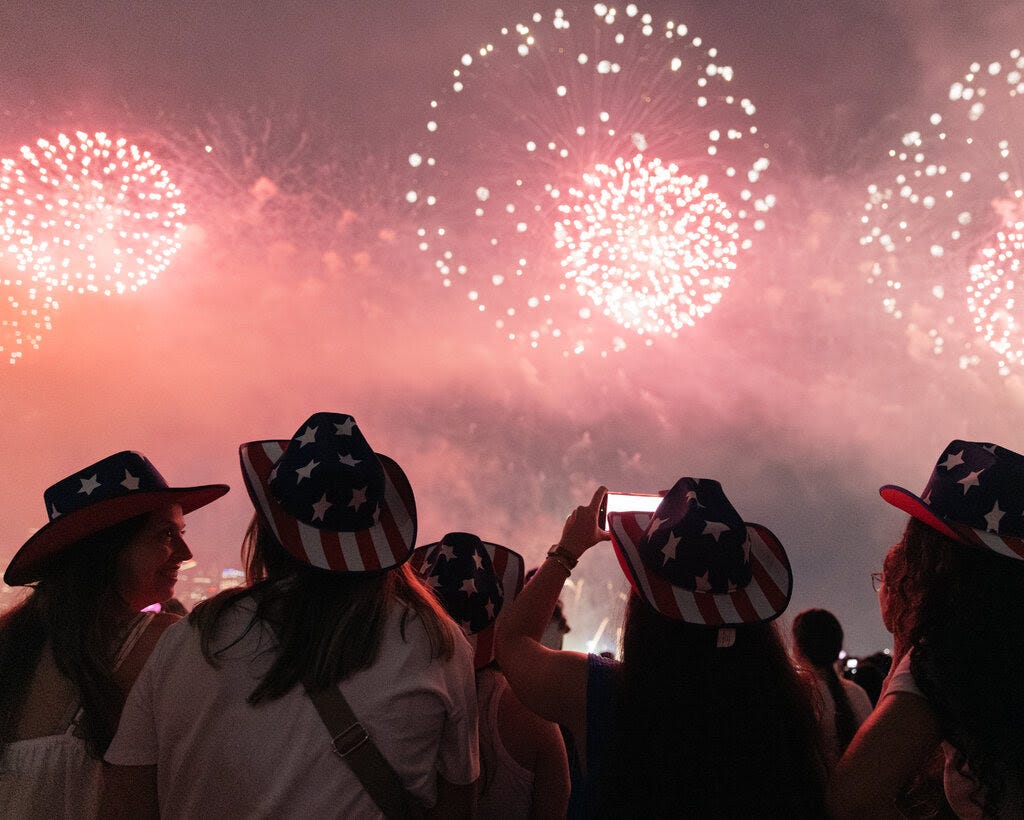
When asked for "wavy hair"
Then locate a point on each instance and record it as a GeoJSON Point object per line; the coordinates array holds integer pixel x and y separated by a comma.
{"type": "Point", "coordinates": [960, 610]}
{"type": "Point", "coordinates": [327, 625]}
{"type": "Point", "coordinates": [703, 731]}
{"type": "Point", "coordinates": [76, 609]}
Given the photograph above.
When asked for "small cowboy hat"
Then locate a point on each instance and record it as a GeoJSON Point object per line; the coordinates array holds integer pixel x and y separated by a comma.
{"type": "Point", "coordinates": [99, 496]}
{"type": "Point", "coordinates": [695, 560]}
{"type": "Point", "coordinates": [473, 580]}
{"type": "Point", "coordinates": [330, 500]}
{"type": "Point", "coordinates": [975, 495]}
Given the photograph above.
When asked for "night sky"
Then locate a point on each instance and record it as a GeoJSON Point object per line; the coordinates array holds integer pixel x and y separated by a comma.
{"type": "Point", "coordinates": [299, 286]}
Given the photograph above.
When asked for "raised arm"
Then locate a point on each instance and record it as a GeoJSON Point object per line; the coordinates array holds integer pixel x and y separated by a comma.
{"type": "Point", "coordinates": [551, 683]}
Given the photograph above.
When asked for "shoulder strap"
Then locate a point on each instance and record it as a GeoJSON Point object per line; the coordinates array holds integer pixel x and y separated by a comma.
{"type": "Point", "coordinates": [353, 745]}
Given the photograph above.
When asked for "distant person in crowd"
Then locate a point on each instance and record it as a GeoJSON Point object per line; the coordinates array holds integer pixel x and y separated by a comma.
{"type": "Point", "coordinates": [71, 650]}
{"type": "Point", "coordinates": [869, 674]}
{"type": "Point", "coordinates": [952, 594]}
{"type": "Point", "coordinates": [843, 705]}
{"type": "Point", "coordinates": [235, 713]}
{"type": "Point", "coordinates": [523, 767]}
{"type": "Point", "coordinates": [558, 627]}
{"type": "Point", "coordinates": [705, 716]}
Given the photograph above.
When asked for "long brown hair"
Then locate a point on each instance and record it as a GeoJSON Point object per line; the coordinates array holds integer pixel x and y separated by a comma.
{"type": "Point", "coordinates": [75, 607]}
{"type": "Point", "coordinates": [326, 625]}
{"type": "Point", "coordinates": [960, 610]}
{"type": "Point", "coordinates": [703, 731]}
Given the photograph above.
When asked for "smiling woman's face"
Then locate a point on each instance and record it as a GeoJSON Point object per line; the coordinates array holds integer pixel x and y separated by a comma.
{"type": "Point", "coordinates": [148, 567]}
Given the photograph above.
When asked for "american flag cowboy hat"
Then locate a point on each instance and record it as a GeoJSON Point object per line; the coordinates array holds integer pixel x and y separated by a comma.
{"type": "Point", "coordinates": [112, 490]}
{"type": "Point", "coordinates": [329, 499]}
{"type": "Point", "coordinates": [473, 580]}
{"type": "Point", "coordinates": [975, 495]}
{"type": "Point", "coordinates": [695, 560]}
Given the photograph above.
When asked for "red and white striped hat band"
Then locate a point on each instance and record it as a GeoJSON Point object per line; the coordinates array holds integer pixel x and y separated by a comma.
{"type": "Point", "coordinates": [975, 495]}
{"type": "Point", "coordinates": [473, 580]}
{"type": "Point", "coordinates": [697, 561]}
{"type": "Point", "coordinates": [374, 527]}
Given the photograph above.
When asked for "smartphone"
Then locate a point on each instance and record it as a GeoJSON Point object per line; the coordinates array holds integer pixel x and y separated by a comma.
{"type": "Point", "coordinates": [627, 502]}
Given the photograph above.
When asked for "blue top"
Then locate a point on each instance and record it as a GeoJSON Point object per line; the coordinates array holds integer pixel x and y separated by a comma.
{"type": "Point", "coordinates": [585, 797]}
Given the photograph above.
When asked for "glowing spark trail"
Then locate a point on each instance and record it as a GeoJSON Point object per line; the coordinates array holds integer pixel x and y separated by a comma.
{"type": "Point", "coordinates": [89, 214]}
{"type": "Point", "coordinates": [944, 231]}
{"type": "Point", "coordinates": [588, 181]}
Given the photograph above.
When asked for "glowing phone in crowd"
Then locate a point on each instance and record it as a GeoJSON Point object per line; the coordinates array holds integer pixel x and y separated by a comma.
{"type": "Point", "coordinates": [627, 502]}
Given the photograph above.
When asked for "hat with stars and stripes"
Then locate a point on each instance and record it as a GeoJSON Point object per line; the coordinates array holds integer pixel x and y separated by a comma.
{"type": "Point", "coordinates": [695, 560]}
{"type": "Point", "coordinates": [975, 496]}
{"type": "Point", "coordinates": [99, 496]}
{"type": "Point", "coordinates": [329, 499]}
{"type": "Point", "coordinates": [473, 580]}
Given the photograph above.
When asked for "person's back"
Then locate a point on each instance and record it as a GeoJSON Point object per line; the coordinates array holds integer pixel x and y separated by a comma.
{"type": "Point", "coordinates": [705, 715]}
{"type": "Point", "coordinates": [232, 716]}
{"type": "Point", "coordinates": [219, 756]}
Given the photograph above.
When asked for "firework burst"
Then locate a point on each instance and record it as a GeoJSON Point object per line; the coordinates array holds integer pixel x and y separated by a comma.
{"type": "Point", "coordinates": [89, 214]}
{"type": "Point", "coordinates": [944, 230]}
{"type": "Point", "coordinates": [589, 181]}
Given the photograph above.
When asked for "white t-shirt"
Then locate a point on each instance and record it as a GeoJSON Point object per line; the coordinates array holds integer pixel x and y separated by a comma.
{"type": "Point", "coordinates": [217, 756]}
{"type": "Point", "coordinates": [959, 784]}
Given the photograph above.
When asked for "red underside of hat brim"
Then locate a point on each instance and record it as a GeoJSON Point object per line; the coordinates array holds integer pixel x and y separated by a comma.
{"type": "Point", "coordinates": [914, 506]}
{"type": "Point", "coordinates": [64, 531]}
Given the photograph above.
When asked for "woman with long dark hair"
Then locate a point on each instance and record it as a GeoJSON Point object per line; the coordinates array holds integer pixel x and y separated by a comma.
{"type": "Point", "coordinates": [705, 716]}
{"type": "Point", "coordinates": [842, 705]}
{"type": "Point", "coordinates": [952, 595]}
{"type": "Point", "coordinates": [228, 718]}
{"type": "Point", "coordinates": [70, 651]}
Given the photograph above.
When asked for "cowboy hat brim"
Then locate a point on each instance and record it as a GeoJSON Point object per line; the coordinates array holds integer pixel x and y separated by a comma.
{"type": "Point", "coordinates": [509, 567]}
{"type": "Point", "coordinates": [763, 599]}
{"type": "Point", "coordinates": [51, 540]}
{"type": "Point", "coordinates": [918, 508]}
{"type": "Point", "coordinates": [385, 545]}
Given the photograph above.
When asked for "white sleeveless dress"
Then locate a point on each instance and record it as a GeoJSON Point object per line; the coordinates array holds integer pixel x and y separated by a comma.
{"type": "Point", "coordinates": [54, 776]}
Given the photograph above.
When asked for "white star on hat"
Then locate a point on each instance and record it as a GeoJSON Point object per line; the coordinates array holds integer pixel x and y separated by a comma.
{"type": "Point", "coordinates": [953, 460]}
{"type": "Point", "coordinates": [715, 528]}
{"type": "Point", "coordinates": [993, 518]}
{"type": "Point", "coordinates": [54, 512]}
{"type": "Point", "coordinates": [358, 498]}
{"type": "Point", "coordinates": [304, 472]}
{"type": "Point", "coordinates": [971, 480]}
{"type": "Point", "coordinates": [321, 507]}
{"type": "Point", "coordinates": [656, 524]}
{"type": "Point", "coordinates": [703, 582]}
{"type": "Point", "coordinates": [489, 608]}
{"type": "Point", "coordinates": [469, 585]}
{"type": "Point", "coordinates": [669, 550]}
{"type": "Point", "coordinates": [478, 560]}
{"type": "Point", "coordinates": [345, 428]}
{"type": "Point", "coordinates": [130, 482]}
{"type": "Point", "coordinates": [88, 485]}
{"type": "Point", "coordinates": [308, 436]}
{"type": "Point", "coordinates": [347, 460]}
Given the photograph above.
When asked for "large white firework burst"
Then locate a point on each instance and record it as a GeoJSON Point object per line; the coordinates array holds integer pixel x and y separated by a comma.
{"type": "Point", "coordinates": [944, 228]}
{"type": "Point", "coordinates": [586, 181]}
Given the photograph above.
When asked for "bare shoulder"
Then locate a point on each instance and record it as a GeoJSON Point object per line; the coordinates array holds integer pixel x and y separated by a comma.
{"type": "Point", "coordinates": [528, 737]}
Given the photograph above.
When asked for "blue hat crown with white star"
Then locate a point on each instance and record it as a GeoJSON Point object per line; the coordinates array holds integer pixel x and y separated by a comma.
{"type": "Point", "coordinates": [329, 477]}
{"type": "Point", "coordinates": [697, 540]}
